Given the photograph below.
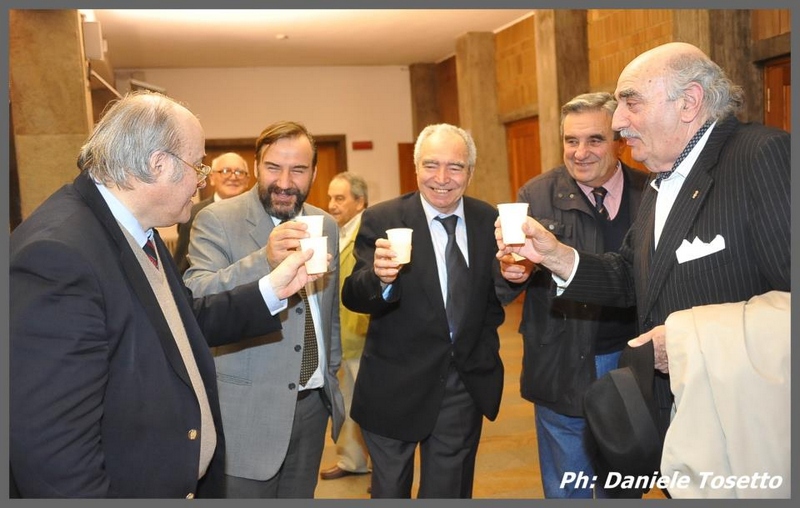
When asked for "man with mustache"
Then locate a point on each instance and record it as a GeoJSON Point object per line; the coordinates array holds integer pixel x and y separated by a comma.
{"type": "Point", "coordinates": [713, 226]}
{"type": "Point", "coordinates": [274, 409]}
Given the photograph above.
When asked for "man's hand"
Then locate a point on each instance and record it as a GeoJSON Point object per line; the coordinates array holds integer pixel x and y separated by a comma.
{"type": "Point", "coordinates": [515, 268]}
{"type": "Point", "coordinates": [541, 247]}
{"type": "Point", "coordinates": [384, 265]}
{"type": "Point", "coordinates": [290, 275]}
{"type": "Point", "coordinates": [283, 240]}
{"type": "Point", "coordinates": [658, 336]}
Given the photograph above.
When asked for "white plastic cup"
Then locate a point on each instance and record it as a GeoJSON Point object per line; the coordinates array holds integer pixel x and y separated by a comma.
{"type": "Point", "coordinates": [400, 238]}
{"type": "Point", "coordinates": [314, 223]}
{"type": "Point", "coordinates": [319, 261]}
{"type": "Point", "coordinates": [512, 217]}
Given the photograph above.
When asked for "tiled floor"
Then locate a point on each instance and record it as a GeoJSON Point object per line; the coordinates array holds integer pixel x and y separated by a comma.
{"type": "Point", "coordinates": [507, 465]}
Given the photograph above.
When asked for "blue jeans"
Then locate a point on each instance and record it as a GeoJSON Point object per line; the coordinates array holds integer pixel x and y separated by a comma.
{"type": "Point", "coordinates": [563, 446]}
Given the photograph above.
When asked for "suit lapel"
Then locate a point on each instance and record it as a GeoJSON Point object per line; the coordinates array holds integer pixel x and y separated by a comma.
{"type": "Point", "coordinates": [133, 271]}
{"type": "Point", "coordinates": [476, 249]}
{"type": "Point", "coordinates": [684, 211]}
{"type": "Point", "coordinates": [259, 220]}
{"type": "Point", "coordinates": [428, 275]}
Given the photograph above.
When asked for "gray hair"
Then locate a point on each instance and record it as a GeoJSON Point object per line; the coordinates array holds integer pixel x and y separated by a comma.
{"type": "Point", "coordinates": [721, 96]}
{"type": "Point", "coordinates": [595, 101]}
{"type": "Point", "coordinates": [472, 151]}
{"type": "Point", "coordinates": [127, 135]}
{"type": "Point", "coordinates": [358, 186]}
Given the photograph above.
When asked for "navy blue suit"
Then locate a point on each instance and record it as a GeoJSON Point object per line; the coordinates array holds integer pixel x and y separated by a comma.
{"type": "Point", "coordinates": [101, 404]}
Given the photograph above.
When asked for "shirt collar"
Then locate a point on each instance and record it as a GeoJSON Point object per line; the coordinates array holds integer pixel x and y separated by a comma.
{"type": "Point", "coordinates": [613, 185]}
{"type": "Point", "coordinates": [124, 216]}
{"type": "Point", "coordinates": [431, 213]}
{"type": "Point", "coordinates": [685, 167]}
{"type": "Point", "coordinates": [349, 229]}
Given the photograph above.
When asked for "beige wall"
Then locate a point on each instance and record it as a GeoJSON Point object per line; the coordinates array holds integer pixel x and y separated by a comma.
{"type": "Point", "coordinates": [363, 103]}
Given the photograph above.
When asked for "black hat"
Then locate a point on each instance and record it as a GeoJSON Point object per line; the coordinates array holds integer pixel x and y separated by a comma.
{"type": "Point", "coordinates": [621, 414]}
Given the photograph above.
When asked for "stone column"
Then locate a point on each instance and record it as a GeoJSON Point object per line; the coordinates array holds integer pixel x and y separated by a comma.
{"type": "Point", "coordinates": [562, 72]}
{"type": "Point", "coordinates": [477, 106]}
{"type": "Point", "coordinates": [50, 99]}
{"type": "Point", "coordinates": [424, 103]}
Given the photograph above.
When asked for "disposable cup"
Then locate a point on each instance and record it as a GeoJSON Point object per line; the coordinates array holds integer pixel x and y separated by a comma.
{"type": "Point", "coordinates": [314, 223]}
{"type": "Point", "coordinates": [512, 217]}
{"type": "Point", "coordinates": [400, 238]}
{"type": "Point", "coordinates": [319, 261]}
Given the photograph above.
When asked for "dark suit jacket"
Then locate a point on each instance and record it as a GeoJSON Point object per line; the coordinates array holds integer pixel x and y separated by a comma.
{"type": "Point", "coordinates": [407, 354]}
{"type": "Point", "coordinates": [101, 404]}
{"type": "Point", "coordinates": [182, 246]}
{"type": "Point", "coordinates": [739, 188]}
{"type": "Point", "coordinates": [559, 335]}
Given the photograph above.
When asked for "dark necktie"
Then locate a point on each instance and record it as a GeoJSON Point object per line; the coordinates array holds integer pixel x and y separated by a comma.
{"type": "Point", "coordinates": [660, 177]}
{"type": "Point", "coordinates": [150, 250]}
{"type": "Point", "coordinates": [310, 352]}
{"type": "Point", "coordinates": [310, 360]}
{"type": "Point", "coordinates": [457, 275]}
{"type": "Point", "coordinates": [599, 195]}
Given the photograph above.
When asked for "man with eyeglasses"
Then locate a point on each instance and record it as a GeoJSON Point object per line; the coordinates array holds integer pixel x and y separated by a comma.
{"type": "Point", "coordinates": [229, 177]}
{"type": "Point", "coordinates": [112, 384]}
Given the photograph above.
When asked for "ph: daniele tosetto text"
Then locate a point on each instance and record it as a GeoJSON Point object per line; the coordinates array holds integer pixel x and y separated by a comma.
{"type": "Point", "coordinates": [677, 480]}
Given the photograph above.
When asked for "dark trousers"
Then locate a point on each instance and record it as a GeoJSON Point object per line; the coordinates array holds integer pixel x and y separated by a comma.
{"type": "Point", "coordinates": [447, 455]}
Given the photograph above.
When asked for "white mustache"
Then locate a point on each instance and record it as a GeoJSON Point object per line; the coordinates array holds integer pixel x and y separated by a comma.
{"type": "Point", "coordinates": [628, 133]}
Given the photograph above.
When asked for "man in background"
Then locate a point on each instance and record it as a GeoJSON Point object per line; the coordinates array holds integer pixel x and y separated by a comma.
{"type": "Point", "coordinates": [229, 177]}
{"type": "Point", "coordinates": [589, 203]}
{"type": "Point", "coordinates": [277, 392]}
{"type": "Point", "coordinates": [348, 199]}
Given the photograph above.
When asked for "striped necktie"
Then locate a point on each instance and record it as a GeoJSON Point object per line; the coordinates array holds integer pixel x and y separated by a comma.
{"type": "Point", "coordinates": [599, 195]}
{"type": "Point", "coordinates": [150, 249]}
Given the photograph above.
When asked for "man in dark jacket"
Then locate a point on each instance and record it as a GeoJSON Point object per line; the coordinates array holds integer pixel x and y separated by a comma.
{"type": "Point", "coordinates": [588, 203]}
{"type": "Point", "coordinates": [113, 390]}
{"type": "Point", "coordinates": [714, 225]}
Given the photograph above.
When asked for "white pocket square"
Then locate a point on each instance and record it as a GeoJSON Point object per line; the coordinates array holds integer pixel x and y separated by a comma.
{"type": "Point", "coordinates": [698, 249]}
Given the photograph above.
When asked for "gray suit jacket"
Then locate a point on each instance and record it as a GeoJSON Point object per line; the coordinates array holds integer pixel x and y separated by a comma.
{"type": "Point", "coordinates": [257, 378]}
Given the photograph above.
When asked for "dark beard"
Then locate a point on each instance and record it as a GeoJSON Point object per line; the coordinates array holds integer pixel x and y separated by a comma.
{"type": "Point", "coordinates": [265, 195]}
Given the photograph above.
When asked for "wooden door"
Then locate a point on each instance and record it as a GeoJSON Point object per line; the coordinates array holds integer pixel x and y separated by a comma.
{"type": "Point", "coordinates": [331, 159]}
{"type": "Point", "coordinates": [524, 152]}
{"type": "Point", "coordinates": [778, 93]}
{"type": "Point", "coordinates": [408, 172]}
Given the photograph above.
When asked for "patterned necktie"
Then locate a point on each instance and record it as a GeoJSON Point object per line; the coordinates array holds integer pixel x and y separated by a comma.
{"type": "Point", "coordinates": [150, 249]}
{"type": "Point", "coordinates": [457, 275]}
{"type": "Point", "coordinates": [310, 360]}
{"type": "Point", "coordinates": [310, 353]}
{"type": "Point", "coordinates": [660, 177]}
{"type": "Point", "coordinates": [599, 195]}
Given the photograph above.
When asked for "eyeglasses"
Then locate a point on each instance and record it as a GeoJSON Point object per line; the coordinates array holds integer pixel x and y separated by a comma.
{"type": "Point", "coordinates": [201, 169]}
{"type": "Point", "coordinates": [228, 171]}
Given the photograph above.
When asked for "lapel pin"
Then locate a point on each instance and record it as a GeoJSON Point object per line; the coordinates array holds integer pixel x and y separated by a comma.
{"type": "Point", "coordinates": [696, 192]}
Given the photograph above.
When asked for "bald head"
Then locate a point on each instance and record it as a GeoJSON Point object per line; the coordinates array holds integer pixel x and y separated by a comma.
{"type": "Point", "coordinates": [665, 95]}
